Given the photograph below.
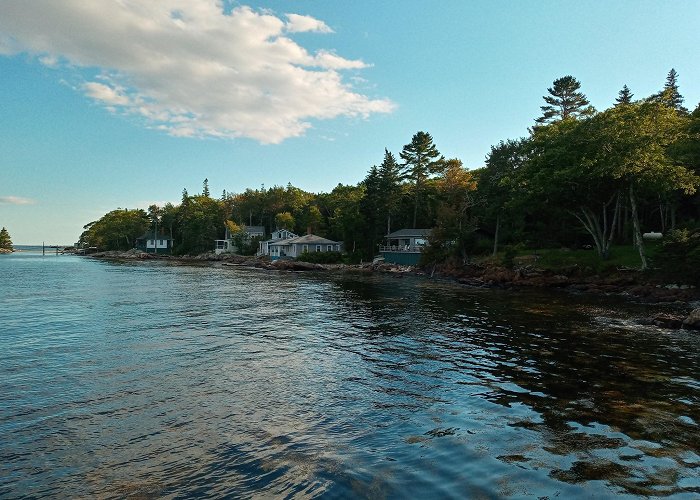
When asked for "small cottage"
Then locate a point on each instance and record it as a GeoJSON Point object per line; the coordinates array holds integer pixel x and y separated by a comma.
{"type": "Point", "coordinates": [154, 244]}
{"type": "Point", "coordinates": [405, 246]}
{"type": "Point", "coordinates": [294, 247]}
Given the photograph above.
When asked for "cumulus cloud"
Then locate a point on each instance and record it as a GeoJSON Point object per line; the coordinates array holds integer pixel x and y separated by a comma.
{"type": "Point", "coordinates": [15, 200]}
{"type": "Point", "coordinates": [189, 68]}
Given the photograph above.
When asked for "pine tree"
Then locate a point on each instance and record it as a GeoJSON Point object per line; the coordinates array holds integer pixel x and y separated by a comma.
{"type": "Point", "coordinates": [5, 241]}
{"type": "Point", "coordinates": [421, 159]}
{"type": "Point", "coordinates": [564, 101]}
{"type": "Point", "coordinates": [624, 96]}
{"type": "Point", "coordinates": [205, 188]}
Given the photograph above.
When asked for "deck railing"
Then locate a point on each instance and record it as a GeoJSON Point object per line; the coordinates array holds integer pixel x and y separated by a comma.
{"type": "Point", "coordinates": [401, 248]}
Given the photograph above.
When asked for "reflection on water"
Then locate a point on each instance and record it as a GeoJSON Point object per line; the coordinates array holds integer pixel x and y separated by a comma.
{"type": "Point", "coordinates": [149, 379]}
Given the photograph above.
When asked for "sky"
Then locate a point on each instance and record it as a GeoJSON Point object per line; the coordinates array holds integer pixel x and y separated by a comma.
{"type": "Point", "coordinates": [123, 104]}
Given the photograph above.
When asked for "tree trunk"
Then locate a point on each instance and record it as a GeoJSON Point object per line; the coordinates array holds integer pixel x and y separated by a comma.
{"type": "Point", "coordinates": [415, 207]}
{"type": "Point", "coordinates": [673, 216]}
{"type": "Point", "coordinates": [615, 222]}
{"type": "Point", "coordinates": [637, 229]}
{"type": "Point", "coordinates": [495, 236]}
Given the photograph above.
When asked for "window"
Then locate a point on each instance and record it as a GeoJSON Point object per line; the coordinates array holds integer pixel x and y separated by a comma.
{"type": "Point", "coordinates": [318, 248]}
{"type": "Point", "coordinates": [305, 248]}
{"type": "Point", "coordinates": [329, 248]}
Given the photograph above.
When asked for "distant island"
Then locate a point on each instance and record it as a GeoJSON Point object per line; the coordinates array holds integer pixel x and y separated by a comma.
{"type": "Point", "coordinates": [5, 242]}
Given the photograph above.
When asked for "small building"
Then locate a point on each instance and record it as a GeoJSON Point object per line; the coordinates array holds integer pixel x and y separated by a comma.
{"type": "Point", "coordinates": [405, 246]}
{"type": "Point", "coordinates": [227, 246]}
{"type": "Point", "coordinates": [154, 244]}
{"type": "Point", "coordinates": [279, 235]}
{"type": "Point", "coordinates": [293, 247]}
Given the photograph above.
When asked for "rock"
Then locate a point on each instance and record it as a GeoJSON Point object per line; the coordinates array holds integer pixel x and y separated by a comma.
{"type": "Point", "coordinates": [692, 322]}
{"type": "Point", "coordinates": [667, 321]}
{"type": "Point", "coordinates": [295, 265]}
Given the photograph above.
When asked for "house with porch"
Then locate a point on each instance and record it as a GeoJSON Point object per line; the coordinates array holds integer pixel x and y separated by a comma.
{"type": "Point", "coordinates": [405, 246]}
{"type": "Point", "coordinates": [154, 244]}
{"type": "Point", "coordinates": [227, 246]}
{"type": "Point", "coordinates": [277, 236]}
{"type": "Point", "coordinates": [293, 247]}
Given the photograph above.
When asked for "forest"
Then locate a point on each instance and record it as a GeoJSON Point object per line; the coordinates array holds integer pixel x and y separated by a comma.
{"type": "Point", "coordinates": [579, 178]}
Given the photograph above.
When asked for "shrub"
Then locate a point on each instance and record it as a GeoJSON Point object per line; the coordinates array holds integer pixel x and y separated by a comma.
{"type": "Point", "coordinates": [321, 257]}
{"type": "Point", "coordinates": [679, 257]}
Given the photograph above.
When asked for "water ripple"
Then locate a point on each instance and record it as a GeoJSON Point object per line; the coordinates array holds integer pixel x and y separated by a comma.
{"type": "Point", "coordinates": [147, 379]}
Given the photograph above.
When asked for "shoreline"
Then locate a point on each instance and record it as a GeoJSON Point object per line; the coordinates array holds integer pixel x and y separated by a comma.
{"type": "Point", "coordinates": [629, 284]}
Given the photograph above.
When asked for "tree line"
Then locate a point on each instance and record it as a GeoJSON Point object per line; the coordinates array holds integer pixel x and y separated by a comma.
{"type": "Point", "coordinates": [578, 177]}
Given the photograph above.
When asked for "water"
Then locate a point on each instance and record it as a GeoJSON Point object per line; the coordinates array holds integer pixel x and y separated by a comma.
{"type": "Point", "coordinates": [149, 379]}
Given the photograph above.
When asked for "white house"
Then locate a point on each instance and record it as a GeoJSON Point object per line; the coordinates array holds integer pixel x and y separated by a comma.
{"type": "Point", "coordinates": [227, 246]}
{"type": "Point", "coordinates": [279, 235]}
{"type": "Point", "coordinates": [294, 247]}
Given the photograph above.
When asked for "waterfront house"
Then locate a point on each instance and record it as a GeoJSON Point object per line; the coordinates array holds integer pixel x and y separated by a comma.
{"type": "Point", "coordinates": [227, 245]}
{"type": "Point", "coordinates": [405, 246]}
{"type": "Point", "coordinates": [154, 244]}
{"type": "Point", "coordinates": [277, 236]}
{"type": "Point", "coordinates": [293, 247]}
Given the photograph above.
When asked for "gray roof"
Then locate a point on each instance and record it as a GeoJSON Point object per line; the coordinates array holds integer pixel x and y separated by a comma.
{"type": "Point", "coordinates": [408, 233]}
{"type": "Point", "coordinates": [254, 229]}
{"type": "Point", "coordinates": [149, 236]}
{"type": "Point", "coordinates": [307, 239]}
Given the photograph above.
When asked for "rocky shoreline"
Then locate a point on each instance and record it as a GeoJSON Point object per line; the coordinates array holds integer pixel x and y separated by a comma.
{"type": "Point", "coordinates": [627, 283]}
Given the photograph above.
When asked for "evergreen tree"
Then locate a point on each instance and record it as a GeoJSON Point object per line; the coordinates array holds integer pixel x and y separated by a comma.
{"type": "Point", "coordinates": [670, 96]}
{"type": "Point", "coordinates": [389, 186]}
{"type": "Point", "coordinates": [624, 96]}
{"type": "Point", "coordinates": [205, 188]}
{"type": "Point", "coordinates": [5, 241]}
{"type": "Point", "coordinates": [421, 159]}
{"type": "Point", "coordinates": [564, 101]}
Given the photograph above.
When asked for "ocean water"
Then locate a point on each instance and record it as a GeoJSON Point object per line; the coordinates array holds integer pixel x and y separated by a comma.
{"type": "Point", "coordinates": [153, 379]}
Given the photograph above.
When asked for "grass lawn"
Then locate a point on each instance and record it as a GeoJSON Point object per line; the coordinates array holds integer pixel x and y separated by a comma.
{"type": "Point", "coordinates": [559, 258]}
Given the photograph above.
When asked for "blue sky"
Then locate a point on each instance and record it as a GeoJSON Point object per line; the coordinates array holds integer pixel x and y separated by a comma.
{"type": "Point", "coordinates": [107, 105]}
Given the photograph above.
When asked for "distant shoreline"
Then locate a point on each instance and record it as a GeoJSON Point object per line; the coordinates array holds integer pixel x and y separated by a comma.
{"type": "Point", "coordinates": [626, 283]}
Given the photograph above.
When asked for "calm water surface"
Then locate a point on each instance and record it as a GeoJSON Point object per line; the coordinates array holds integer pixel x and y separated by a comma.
{"type": "Point", "coordinates": [148, 379]}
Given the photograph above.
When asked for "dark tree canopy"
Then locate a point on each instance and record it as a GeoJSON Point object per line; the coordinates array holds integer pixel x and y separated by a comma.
{"type": "Point", "coordinates": [564, 101]}
{"type": "Point", "coordinates": [624, 96]}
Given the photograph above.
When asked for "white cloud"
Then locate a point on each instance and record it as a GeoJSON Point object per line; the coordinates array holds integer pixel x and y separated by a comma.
{"type": "Point", "coordinates": [299, 24]}
{"type": "Point", "coordinates": [188, 68]}
{"type": "Point", "coordinates": [16, 200]}
{"type": "Point", "coordinates": [106, 94]}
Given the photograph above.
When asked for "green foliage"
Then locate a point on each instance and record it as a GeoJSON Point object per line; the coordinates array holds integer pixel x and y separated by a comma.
{"type": "Point", "coordinates": [564, 101]}
{"type": "Point", "coordinates": [5, 240]}
{"type": "Point", "coordinates": [321, 257]}
{"type": "Point", "coordinates": [200, 221]}
{"type": "Point", "coordinates": [284, 220]}
{"type": "Point", "coordinates": [509, 254]}
{"type": "Point", "coordinates": [421, 160]}
{"type": "Point", "coordinates": [624, 96]}
{"type": "Point", "coordinates": [679, 257]}
{"type": "Point", "coordinates": [670, 96]}
{"type": "Point", "coordinates": [116, 230]}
